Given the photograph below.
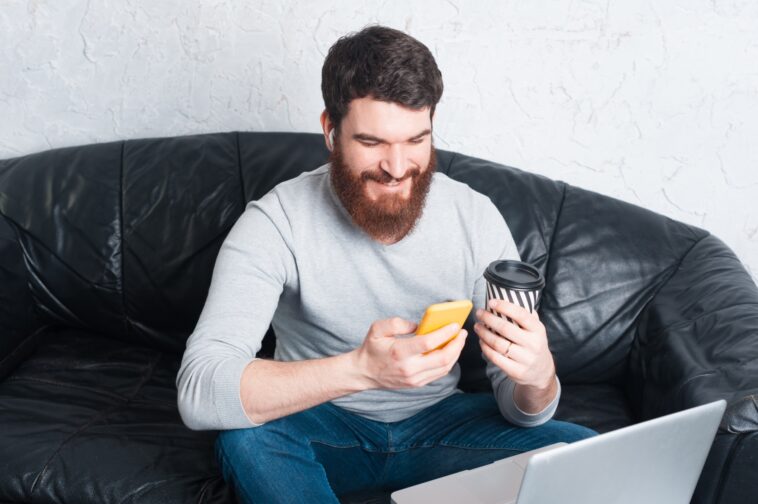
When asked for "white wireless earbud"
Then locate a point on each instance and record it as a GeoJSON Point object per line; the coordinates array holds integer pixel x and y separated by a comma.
{"type": "Point", "coordinates": [331, 139]}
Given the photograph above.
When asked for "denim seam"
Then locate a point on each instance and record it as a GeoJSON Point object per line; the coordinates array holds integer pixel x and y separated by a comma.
{"type": "Point", "coordinates": [385, 467]}
{"type": "Point", "coordinates": [331, 445]}
{"type": "Point", "coordinates": [479, 447]}
{"type": "Point", "coordinates": [400, 449]}
{"type": "Point", "coordinates": [397, 449]}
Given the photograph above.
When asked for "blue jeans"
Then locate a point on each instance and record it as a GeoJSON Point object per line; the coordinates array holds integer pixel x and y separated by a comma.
{"type": "Point", "coordinates": [316, 454]}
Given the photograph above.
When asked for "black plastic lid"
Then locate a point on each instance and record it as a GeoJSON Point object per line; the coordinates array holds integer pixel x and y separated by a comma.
{"type": "Point", "coordinates": [514, 275]}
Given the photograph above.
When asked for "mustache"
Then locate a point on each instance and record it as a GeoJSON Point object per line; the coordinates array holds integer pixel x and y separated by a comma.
{"type": "Point", "coordinates": [383, 177]}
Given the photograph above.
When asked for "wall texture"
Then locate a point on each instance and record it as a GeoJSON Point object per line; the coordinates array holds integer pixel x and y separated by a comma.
{"type": "Point", "coordinates": [655, 103]}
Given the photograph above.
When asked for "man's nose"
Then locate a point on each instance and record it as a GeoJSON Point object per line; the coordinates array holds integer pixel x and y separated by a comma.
{"type": "Point", "coordinates": [395, 161]}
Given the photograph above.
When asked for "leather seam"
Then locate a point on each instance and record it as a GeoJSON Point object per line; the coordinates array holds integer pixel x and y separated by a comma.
{"type": "Point", "coordinates": [203, 490]}
{"type": "Point", "coordinates": [22, 344]}
{"type": "Point", "coordinates": [138, 492]}
{"type": "Point", "coordinates": [635, 343]}
{"type": "Point", "coordinates": [549, 260]}
{"type": "Point", "coordinates": [239, 170]}
{"type": "Point", "coordinates": [450, 163]}
{"type": "Point", "coordinates": [100, 415]}
{"type": "Point", "coordinates": [22, 379]}
{"type": "Point", "coordinates": [665, 283]}
{"type": "Point", "coordinates": [121, 238]}
{"type": "Point", "coordinates": [59, 259]}
{"type": "Point", "coordinates": [33, 336]}
{"type": "Point", "coordinates": [689, 379]}
{"type": "Point", "coordinates": [684, 323]}
{"type": "Point", "coordinates": [679, 264]}
{"type": "Point", "coordinates": [724, 476]}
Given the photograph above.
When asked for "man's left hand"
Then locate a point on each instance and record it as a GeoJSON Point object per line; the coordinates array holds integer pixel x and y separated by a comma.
{"type": "Point", "coordinates": [521, 351]}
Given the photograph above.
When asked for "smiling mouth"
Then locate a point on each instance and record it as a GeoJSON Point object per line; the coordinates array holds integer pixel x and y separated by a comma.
{"type": "Point", "coordinates": [390, 185]}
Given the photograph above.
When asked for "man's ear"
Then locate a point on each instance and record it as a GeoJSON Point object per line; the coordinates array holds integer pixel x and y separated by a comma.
{"type": "Point", "coordinates": [328, 129]}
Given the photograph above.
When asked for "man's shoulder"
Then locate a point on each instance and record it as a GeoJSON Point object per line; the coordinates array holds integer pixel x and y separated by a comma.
{"type": "Point", "coordinates": [462, 194]}
{"type": "Point", "coordinates": [304, 179]}
{"type": "Point", "coordinates": [298, 188]}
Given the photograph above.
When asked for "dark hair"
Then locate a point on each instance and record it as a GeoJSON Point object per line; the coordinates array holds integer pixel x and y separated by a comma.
{"type": "Point", "coordinates": [383, 63]}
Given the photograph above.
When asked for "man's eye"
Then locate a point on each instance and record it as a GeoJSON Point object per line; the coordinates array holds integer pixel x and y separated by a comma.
{"type": "Point", "coordinates": [417, 141]}
{"type": "Point", "coordinates": [369, 144]}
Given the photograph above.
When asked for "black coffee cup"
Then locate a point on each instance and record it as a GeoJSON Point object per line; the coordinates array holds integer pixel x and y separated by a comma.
{"type": "Point", "coordinates": [515, 281]}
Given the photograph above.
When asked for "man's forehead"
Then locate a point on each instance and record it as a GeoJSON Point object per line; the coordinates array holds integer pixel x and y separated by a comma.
{"type": "Point", "coordinates": [387, 120]}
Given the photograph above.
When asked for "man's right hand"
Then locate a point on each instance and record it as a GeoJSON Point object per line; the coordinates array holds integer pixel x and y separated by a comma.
{"type": "Point", "coordinates": [386, 361]}
{"type": "Point", "coordinates": [272, 389]}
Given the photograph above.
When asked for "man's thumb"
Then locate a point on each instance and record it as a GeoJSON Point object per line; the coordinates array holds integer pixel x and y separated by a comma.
{"type": "Point", "coordinates": [402, 326]}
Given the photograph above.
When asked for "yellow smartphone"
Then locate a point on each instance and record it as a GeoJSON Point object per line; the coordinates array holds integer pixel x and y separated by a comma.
{"type": "Point", "coordinates": [441, 314]}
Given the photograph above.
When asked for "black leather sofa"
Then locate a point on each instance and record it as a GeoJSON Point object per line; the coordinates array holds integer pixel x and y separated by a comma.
{"type": "Point", "coordinates": [106, 254]}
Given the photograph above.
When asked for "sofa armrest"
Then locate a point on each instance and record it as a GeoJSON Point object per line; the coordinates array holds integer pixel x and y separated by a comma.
{"type": "Point", "coordinates": [697, 340]}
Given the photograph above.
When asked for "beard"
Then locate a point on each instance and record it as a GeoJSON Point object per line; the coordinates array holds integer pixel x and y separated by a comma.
{"type": "Point", "coordinates": [390, 217]}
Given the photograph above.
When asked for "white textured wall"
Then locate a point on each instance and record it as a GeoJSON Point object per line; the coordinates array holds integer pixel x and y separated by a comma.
{"type": "Point", "coordinates": [652, 102]}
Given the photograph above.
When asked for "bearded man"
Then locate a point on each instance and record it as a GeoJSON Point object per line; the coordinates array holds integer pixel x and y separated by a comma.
{"type": "Point", "coordinates": [341, 261]}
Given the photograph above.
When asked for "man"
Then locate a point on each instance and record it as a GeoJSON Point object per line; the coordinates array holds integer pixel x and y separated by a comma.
{"type": "Point", "coordinates": [342, 260]}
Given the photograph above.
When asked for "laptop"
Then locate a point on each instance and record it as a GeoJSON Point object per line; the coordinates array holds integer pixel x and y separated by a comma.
{"type": "Point", "coordinates": [655, 461]}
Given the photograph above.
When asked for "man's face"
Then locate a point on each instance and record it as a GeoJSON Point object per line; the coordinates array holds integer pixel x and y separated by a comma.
{"type": "Point", "coordinates": [382, 166]}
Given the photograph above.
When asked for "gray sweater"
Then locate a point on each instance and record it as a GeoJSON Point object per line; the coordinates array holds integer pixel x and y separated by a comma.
{"type": "Point", "coordinates": [295, 260]}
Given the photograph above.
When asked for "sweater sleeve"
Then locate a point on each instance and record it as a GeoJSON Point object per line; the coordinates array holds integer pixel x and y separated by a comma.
{"type": "Point", "coordinates": [497, 243]}
{"type": "Point", "coordinates": [252, 267]}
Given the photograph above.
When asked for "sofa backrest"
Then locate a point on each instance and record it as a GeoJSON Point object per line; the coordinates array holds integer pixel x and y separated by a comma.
{"type": "Point", "coordinates": [121, 238]}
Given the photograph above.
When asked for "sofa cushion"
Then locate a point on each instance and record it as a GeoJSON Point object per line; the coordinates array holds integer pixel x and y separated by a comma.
{"type": "Point", "coordinates": [599, 406]}
{"type": "Point", "coordinates": [88, 419]}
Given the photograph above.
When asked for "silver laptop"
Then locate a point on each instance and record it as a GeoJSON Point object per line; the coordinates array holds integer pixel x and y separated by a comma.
{"type": "Point", "coordinates": [655, 461]}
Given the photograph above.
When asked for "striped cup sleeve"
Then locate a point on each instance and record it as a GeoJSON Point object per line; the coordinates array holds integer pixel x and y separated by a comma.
{"type": "Point", "coordinates": [525, 299]}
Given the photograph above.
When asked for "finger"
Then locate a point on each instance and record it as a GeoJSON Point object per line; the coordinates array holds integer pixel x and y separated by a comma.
{"type": "Point", "coordinates": [439, 359]}
{"type": "Point", "coordinates": [448, 354]}
{"type": "Point", "coordinates": [509, 366]}
{"type": "Point", "coordinates": [522, 316]}
{"type": "Point", "coordinates": [427, 342]}
{"type": "Point", "coordinates": [392, 327]}
{"type": "Point", "coordinates": [493, 340]}
{"type": "Point", "coordinates": [504, 328]}
{"type": "Point", "coordinates": [519, 354]}
{"type": "Point", "coordinates": [430, 375]}
{"type": "Point", "coordinates": [440, 362]}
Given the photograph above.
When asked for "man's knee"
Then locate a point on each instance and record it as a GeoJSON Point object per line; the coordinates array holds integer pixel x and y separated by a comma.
{"type": "Point", "coordinates": [557, 431]}
{"type": "Point", "coordinates": [236, 446]}
{"type": "Point", "coordinates": [251, 446]}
